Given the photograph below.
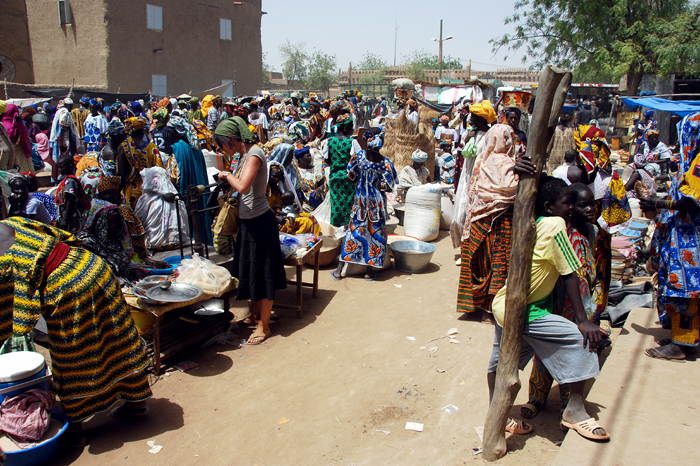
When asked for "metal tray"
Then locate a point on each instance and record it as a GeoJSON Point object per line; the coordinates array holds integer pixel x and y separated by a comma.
{"type": "Point", "coordinates": [176, 293]}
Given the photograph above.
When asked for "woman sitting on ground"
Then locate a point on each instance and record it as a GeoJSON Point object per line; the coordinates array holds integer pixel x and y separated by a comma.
{"type": "Point", "coordinates": [412, 175]}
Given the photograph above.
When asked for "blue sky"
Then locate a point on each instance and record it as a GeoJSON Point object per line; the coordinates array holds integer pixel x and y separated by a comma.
{"type": "Point", "coordinates": [348, 29]}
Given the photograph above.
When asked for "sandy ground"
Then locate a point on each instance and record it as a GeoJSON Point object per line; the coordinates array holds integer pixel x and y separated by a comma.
{"type": "Point", "coordinates": [333, 388]}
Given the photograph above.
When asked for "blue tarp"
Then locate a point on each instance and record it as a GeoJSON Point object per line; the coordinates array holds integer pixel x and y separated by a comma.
{"type": "Point", "coordinates": [677, 107]}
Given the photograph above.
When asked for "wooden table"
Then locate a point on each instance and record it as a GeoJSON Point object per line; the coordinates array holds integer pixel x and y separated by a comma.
{"type": "Point", "coordinates": [298, 262]}
{"type": "Point", "coordinates": [165, 340]}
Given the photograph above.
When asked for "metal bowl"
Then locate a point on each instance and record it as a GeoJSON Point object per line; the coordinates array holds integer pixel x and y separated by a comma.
{"type": "Point", "coordinates": [412, 256]}
{"type": "Point", "coordinates": [175, 293]}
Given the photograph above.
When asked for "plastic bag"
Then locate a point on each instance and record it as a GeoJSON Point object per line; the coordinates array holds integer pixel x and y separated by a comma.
{"type": "Point", "coordinates": [203, 273]}
{"type": "Point", "coordinates": [158, 216]}
{"type": "Point", "coordinates": [469, 151]}
{"type": "Point", "coordinates": [289, 244]}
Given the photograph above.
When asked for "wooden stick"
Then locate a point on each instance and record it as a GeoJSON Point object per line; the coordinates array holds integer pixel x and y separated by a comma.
{"type": "Point", "coordinates": [507, 379]}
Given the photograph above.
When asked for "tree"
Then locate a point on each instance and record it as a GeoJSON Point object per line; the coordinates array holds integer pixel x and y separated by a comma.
{"type": "Point", "coordinates": [597, 37]}
{"type": "Point", "coordinates": [430, 62]}
{"type": "Point", "coordinates": [677, 44]}
{"type": "Point", "coordinates": [375, 63]}
{"type": "Point", "coordinates": [295, 62]}
{"type": "Point", "coordinates": [265, 72]}
{"type": "Point", "coordinates": [322, 71]}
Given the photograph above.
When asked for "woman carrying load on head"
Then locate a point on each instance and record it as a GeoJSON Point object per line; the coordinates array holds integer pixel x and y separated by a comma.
{"type": "Point", "coordinates": [337, 152]}
{"type": "Point", "coordinates": [97, 357]}
{"type": "Point", "coordinates": [257, 260]}
{"type": "Point", "coordinates": [484, 230]}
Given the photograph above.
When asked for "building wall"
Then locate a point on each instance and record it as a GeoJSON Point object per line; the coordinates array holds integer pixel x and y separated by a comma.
{"type": "Point", "coordinates": [74, 51]}
{"type": "Point", "coordinates": [14, 39]}
{"type": "Point", "coordinates": [188, 50]}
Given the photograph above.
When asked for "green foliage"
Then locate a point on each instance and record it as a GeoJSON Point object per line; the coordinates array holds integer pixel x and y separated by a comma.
{"type": "Point", "coordinates": [427, 61]}
{"type": "Point", "coordinates": [375, 63]}
{"type": "Point", "coordinates": [295, 62]}
{"type": "Point", "coordinates": [371, 62]}
{"type": "Point", "coordinates": [677, 44]}
{"type": "Point", "coordinates": [322, 71]}
{"type": "Point", "coordinates": [604, 39]}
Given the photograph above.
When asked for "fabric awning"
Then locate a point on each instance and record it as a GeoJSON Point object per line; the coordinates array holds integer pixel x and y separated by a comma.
{"type": "Point", "coordinates": [677, 107]}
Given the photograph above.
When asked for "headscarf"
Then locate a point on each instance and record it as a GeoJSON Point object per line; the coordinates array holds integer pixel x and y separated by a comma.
{"type": "Point", "coordinates": [16, 129]}
{"type": "Point", "coordinates": [493, 183]}
{"type": "Point", "coordinates": [134, 124]}
{"type": "Point", "coordinates": [85, 99]}
{"type": "Point", "coordinates": [651, 131]}
{"type": "Point", "coordinates": [56, 126]}
{"type": "Point", "coordinates": [299, 153]}
{"type": "Point", "coordinates": [115, 127]}
{"type": "Point", "coordinates": [648, 114]}
{"type": "Point", "coordinates": [344, 119]}
{"type": "Point", "coordinates": [194, 100]}
{"type": "Point", "coordinates": [235, 127]}
{"type": "Point", "coordinates": [3, 107]}
{"type": "Point", "coordinates": [593, 122]}
{"type": "Point", "coordinates": [419, 156]}
{"type": "Point", "coordinates": [183, 128]}
{"type": "Point", "coordinates": [107, 183]}
{"type": "Point", "coordinates": [374, 141]}
{"type": "Point", "coordinates": [160, 116]}
{"type": "Point", "coordinates": [484, 110]}
{"type": "Point", "coordinates": [43, 147]}
{"type": "Point", "coordinates": [164, 102]}
{"type": "Point", "coordinates": [173, 102]}
{"type": "Point", "coordinates": [206, 105]}
{"type": "Point", "coordinates": [274, 112]}
{"type": "Point", "coordinates": [67, 101]}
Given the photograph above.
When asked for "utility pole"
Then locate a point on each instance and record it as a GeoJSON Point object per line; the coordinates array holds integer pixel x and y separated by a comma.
{"type": "Point", "coordinates": [396, 36]}
{"type": "Point", "coordinates": [440, 41]}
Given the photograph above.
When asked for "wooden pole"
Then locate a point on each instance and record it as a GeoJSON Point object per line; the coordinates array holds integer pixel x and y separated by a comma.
{"type": "Point", "coordinates": [507, 379]}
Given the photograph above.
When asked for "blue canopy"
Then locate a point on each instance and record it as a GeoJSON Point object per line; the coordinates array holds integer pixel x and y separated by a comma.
{"type": "Point", "coordinates": [678, 107]}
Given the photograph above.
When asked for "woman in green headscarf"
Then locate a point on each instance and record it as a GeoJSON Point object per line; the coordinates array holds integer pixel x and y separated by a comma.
{"type": "Point", "coordinates": [257, 257]}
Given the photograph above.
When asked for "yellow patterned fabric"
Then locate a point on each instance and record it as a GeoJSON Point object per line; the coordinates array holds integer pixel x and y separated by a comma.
{"type": "Point", "coordinates": [303, 223]}
{"type": "Point", "coordinates": [690, 183]}
{"type": "Point", "coordinates": [139, 158]}
{"type": "Point", "coordinates": [97, 357]}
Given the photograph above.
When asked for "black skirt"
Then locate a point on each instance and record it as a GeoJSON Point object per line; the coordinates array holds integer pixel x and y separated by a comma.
{"type": "Point", "coordinates": [257, 259]}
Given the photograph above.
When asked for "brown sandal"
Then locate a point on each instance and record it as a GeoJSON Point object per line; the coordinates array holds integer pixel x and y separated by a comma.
{"type": "Point", "coordinates": [585, 429]}
{"type": "Point", "coordinates": [518, 427]}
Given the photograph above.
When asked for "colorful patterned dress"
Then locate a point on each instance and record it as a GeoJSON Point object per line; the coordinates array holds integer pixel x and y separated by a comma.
{"type": "Point", "coordinates": [97, 357]}
{"type": "Point", "coordinates": [365, 241]}
{"type": "Point", "coordinates": [139, 158]}
{"type": "Point", "coordinates": [342, 188]}
{"type": "Point", "coordinates": [676, 245]}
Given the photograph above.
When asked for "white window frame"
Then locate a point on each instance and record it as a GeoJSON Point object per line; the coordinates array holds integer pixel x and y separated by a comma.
{"type": "Point", "coordinates": [229, 91]}
{"type": "Point", "coordinates": [65, 12]}
{"type": "Point", "coordinates": [225, 29]}
{"type": "Point", "coordinates": [159, 85]}
{"type": "Point", "coordinates": [154, 17]}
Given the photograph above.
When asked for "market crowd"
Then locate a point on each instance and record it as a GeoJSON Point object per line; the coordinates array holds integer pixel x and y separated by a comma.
{"type": "Point", "coordinates": [120, 171]}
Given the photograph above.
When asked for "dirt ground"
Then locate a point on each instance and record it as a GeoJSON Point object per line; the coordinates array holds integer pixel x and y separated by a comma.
{"type": "Point", "coordinates": [333, 388]}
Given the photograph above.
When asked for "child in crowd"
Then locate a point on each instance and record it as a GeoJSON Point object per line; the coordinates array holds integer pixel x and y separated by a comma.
{"type": "Point", "coordinates": [291, 221]}
{"type": "Point", "coordinates": [70, 197]}
{"type": "Point", "coordinates": [582, 234]}
{"type": "Point", "coordinates": [566, 350]}
{"type": "Point", "coordinates": [445, 164]}
{"type": "Point", "coordinates": [24, 204]}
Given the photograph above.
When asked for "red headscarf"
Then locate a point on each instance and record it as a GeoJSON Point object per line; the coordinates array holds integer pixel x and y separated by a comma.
{"type": "Point", "coordinates": [16, 129]}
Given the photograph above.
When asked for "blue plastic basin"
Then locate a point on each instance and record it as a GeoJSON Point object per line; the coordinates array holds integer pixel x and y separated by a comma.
{"type": "Point", "coordinates": [174, 260]}
{"type": "Point", "coordinates": [44, 452]}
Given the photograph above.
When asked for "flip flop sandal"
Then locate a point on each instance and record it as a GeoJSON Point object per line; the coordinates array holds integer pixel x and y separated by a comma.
{"type": "Point", "coordinates": [370, 279]}
{"type": "Point", "coordinates": [125, 413]}
{"type": "Point", "coordinates": [533, 411]}
{"type": "Point", "coordinates": [585, 429]}
{"type": "Point", "coordinates": [656, 354]}
{"type": "Point", "coordinates": [518, 427]}
{"type": "Point", "coordinates": [335, 277]}
{"type": "Point", "coordinates": [260, 338]}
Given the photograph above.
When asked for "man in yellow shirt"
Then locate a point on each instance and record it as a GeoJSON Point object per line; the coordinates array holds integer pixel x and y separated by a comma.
{"type": "Point", "coordinates": [566, 349]}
